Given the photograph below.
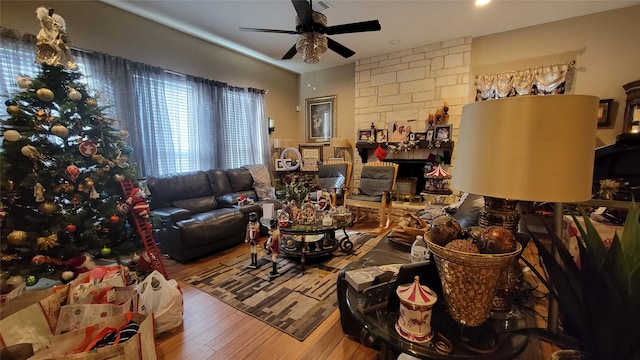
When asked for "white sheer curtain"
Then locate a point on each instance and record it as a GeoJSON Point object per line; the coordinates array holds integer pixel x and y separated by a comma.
{"type": "Point", "coordinates": [177, 123]}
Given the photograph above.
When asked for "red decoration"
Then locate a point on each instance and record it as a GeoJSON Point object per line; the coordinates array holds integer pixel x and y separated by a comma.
{"type": "Point", "coordinates": [137, 203]}
{"type": "Point", "coordinates": [380, 153]}
{"type": "Point", "coordinates": [88, 148]}
{"type": "Point", "coordinates": [72, 172]}
{"type": "Point", "coordinates": [114, 219]}
{"type": "Point", "coordinates": [71, 228]}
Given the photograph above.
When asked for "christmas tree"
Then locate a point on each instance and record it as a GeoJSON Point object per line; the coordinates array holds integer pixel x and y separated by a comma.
{"type": "Point", "coordinates": [62, 163]}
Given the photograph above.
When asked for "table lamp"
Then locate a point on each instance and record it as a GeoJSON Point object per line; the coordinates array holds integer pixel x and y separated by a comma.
{"type": "Point", "coordinates": [339, 145]}
{"type": "Point", "coordinates": [529, 148]}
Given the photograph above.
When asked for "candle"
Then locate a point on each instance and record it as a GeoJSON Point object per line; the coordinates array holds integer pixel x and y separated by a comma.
{"type": "Point", "coordinates": [446, 105]}
{"type": "Point", "coordinates": [272, 123]}
{"type": "Point", "coordinates": [431, 117]}
{"type": "Point", "coordinates": [438, 112]}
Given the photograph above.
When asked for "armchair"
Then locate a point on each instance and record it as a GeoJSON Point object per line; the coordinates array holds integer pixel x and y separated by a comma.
{"type": "Point", "coordinates": [377, 179]}
{"type": "Point", "coordinates": [334, 176]}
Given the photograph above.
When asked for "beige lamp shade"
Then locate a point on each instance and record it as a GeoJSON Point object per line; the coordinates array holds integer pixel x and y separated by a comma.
{"type": "Point", "coordinates": [532, 148]}
{"type": "Point", "coordinates": [339, 142]}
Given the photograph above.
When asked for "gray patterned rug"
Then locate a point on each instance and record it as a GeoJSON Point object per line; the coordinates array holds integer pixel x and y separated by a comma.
{"type": "Point", "coordinates": [295, 302]}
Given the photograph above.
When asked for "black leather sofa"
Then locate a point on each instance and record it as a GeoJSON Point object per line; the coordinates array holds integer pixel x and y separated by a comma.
{"type": "Point", "coordinates": [195, 214]}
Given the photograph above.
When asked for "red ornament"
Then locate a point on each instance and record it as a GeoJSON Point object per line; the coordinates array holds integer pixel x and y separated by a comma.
{"type": "Point", "coordinates": [72, 172]}
{"type": "Point", "coordinates": [88, 148]}
{"type": "Point", "coordinates": [114, 219]}
{"type": "Point", "coordinates": [71, 228]}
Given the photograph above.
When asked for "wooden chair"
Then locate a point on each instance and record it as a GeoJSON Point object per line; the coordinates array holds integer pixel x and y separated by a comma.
{"type": "Point", "coordinates": [377, 179]}
{"type": "Point", "coordinates": [334, 176]}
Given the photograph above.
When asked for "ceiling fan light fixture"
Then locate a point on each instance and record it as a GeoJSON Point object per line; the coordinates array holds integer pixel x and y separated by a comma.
{"type": "Point", "coordinates": [311, 46]}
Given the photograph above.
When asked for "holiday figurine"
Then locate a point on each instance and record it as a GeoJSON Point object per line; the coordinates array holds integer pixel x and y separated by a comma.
{"type": "Point", "coordinates": [252, 238]}
{"type": "Point", "coordinates": [137, 203]}
{"type": "Point", "coordinates": [273, 247]}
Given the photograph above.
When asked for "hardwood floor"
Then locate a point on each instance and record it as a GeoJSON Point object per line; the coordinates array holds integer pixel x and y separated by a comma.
{"type": "Point", "coordinates": [214, 330]}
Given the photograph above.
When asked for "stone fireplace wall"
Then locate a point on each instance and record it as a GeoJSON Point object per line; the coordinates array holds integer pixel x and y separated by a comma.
{"type": "Point", "coordinates": [408, 85]}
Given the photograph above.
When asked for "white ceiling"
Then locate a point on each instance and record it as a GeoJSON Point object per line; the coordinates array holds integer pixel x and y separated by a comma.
{"type": "Point", "coordinates": [407, 23]}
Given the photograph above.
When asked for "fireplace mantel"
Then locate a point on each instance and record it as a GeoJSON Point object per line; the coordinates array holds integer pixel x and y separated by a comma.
{"type": "Point", "coordinates": [446, 147]}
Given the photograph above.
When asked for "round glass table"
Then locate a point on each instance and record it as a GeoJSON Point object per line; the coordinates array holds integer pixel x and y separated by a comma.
{"type": "Point", "coordinates": [380, 323]}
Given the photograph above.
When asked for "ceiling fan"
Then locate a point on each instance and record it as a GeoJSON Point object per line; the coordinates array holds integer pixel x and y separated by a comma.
{"type": "Point", "coordinates": [311, 28]}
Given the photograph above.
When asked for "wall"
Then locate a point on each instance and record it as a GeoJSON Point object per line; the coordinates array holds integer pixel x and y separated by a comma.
{"type": "Point", "coordinates": [604, 45]}
{"type": "Point", "coordinates": [93, 25]}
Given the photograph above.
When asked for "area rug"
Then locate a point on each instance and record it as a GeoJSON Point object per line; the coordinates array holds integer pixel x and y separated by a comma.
{"type": "Point", "coordinates": [296, 302]}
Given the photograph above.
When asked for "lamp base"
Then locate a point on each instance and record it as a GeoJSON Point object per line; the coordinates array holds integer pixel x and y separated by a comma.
{"type": "Point", "coordinates": [500, 212]}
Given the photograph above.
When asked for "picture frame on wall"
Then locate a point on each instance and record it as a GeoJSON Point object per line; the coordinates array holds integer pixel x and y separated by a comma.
{"type": "Point", "coordinates": [321, 119]}
{"type": "Point", "coordinates": [604, 112]}
{"type": "Point", "coordinates": [443, 132]}
{"type": "Point", "coordinates": [309, 164]}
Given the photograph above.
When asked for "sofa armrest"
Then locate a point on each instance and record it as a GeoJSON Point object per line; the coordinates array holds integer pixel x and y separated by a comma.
{"type": "Point", "coordinates": [167, 216]}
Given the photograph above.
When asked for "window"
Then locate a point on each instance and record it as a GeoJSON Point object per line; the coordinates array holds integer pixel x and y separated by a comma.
{"type": "Point", "coordinates": [178, 123]}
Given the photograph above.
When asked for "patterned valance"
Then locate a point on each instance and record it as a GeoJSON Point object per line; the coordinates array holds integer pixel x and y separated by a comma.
{"type": "Point", "coordinates": [543, 80]}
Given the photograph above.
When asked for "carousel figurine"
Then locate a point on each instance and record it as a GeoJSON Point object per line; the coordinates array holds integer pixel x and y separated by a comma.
{"type": "Point", "coordinates": [273, 247]}
{"type": "Point", "coordinates": [252, 238]}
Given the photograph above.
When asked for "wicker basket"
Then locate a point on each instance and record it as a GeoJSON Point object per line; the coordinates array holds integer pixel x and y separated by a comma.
{"type": "Point", "coordinates": [469, 281]}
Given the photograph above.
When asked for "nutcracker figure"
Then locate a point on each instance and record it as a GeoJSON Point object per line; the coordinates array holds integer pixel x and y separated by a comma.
{"type": "Point", "coordinates": [273, 247]}
{"type": "Point", "coordinates": [252, 238]}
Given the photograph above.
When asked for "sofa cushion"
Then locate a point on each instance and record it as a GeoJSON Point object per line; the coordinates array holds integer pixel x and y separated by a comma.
{"type": "Point", "coordinates": [219, 182]}
{"type": "Point", "coordinates": [197, 205]}
{"type": "Point", "coordinates": [211, 226]}
{"type": "Point", "coordinates": [240, 179]}
{"type": "Point", "coordinates": [165, 190]}
{"type": "Point", "coordinates": [469, 210]}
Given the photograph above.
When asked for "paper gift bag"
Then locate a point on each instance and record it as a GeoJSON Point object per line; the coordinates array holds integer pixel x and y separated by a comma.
{"type": "Point", "coordinates": [95, 280]}
{"type": "Point", "coordinates": [71, 345]}
{"type": "Point", "coordinates": [76, 316]}
{"type": "Point", "coordinates": [32, 317]}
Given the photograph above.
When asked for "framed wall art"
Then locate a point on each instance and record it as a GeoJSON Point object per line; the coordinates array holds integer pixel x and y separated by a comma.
{"type": "Point", "coordinates": [382, 135]}
{"type": "Point", "coordinates": [280, 165]}
{"type": "Point", "coordinates": [429, 135]}
{"type": "Point", "coordinates": [604, 112]}
{"type": "Point", "coordinates": [321, 118]}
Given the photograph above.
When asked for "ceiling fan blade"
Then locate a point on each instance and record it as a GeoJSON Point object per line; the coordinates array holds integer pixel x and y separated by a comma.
{"type": "Point", "coordinates": [303, 8]}
{"type": "Point", "coordinates": [339, 48]}
{"type": "Point", "coordinates": [290, 53]}
{"type": "Point", "coordinates": [372, 25]}
{"type": "Point", "coordinates": [269, 30]}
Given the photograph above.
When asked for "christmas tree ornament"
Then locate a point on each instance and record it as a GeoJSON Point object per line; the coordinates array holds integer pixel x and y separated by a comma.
{"type": "Point", "coordinates": [88, 148]}
{"type": "Point", "coordinates": [106, 251]}
{"type": "Point", "coordinates": [41, 115]}
{"type": "Point", "coordinates": [67, 276]}
{"type": "Point", "coordinates": [49, 242]}
{"type": "Point", "coordinates": [48, 208]}
{"type": "Point", "coordinates": [71, 228]}
{"type": "Point", "coordinates": [24, 82]}
{"type": "Point", "coordinates": [31, 280]}
{"type": "Point", "coordinates": [49, 270]}
{"type": "Point", "coordinates": [12, 135]}
{"type": "Point", "coordinates": [124, 133]}
{"type": "Point", "coordinates": [10, 102]}
{"type": "Point", "coordinates": [17, 237]}
{"type": "Point", "coordinates": [72, 172]}
{"type": "Point", "coordinates": [45, 94]}
{"type": "Point", "coordinates": [29, 151]}
{"type": "Point", "coordinates": [118, 177]}
{"type": "Point", "coordinates": [60, 131]}
{"type": "Point", "coordinates": [104, 194]}
{"type": "Point", "coordinates": [74, 94]}
{"type": "Point", "coordinates": [13, 110]}
{"type": "Point", "coordinates": [127, 150]}
{"type": "Point", "coordinates": [114, 219]}
{"type": "Point", "coordinates": [92, 102]}
{"type": "Point", "coordinates": [51, 41]}
{"type": "Point", "coordinates": [122, 208]}
{"type": "Point", "coordinates": [38, 192]}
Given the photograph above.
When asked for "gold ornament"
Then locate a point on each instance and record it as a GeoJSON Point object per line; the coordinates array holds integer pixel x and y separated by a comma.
{"type": "Point", "coordinates": [12, 135]}
{"type": "Point", "coordinates": [124, 133]}
{"type": "Point", "coordinates": [24, 82]}
{"type": "Point", "coordinates": [49, 242]}
{"type": "Point", "coordinates": [38, 192]}
{"type": "Point", "coordinates": [92, 102]}
{"type": "Point", "coordinates": [29, 151]}
{"type": "Point", "coordinates": [60, 130]}
{"type": "Point", "coordinates": [17, 237]}
{"type": "Point", "coordinates": [118, 177]}
{"type": "Point", "coordinates": [74, 94]}
{"type": "Point", "coordinates": [45, 94]}
{"type": "Point", "coordinates": [13, 110]}
{"type": "Point", "coordinates": [48, 208]}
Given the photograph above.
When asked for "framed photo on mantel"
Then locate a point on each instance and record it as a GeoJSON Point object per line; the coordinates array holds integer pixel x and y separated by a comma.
{"type": "Point", "coordinates": [321, 119]}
